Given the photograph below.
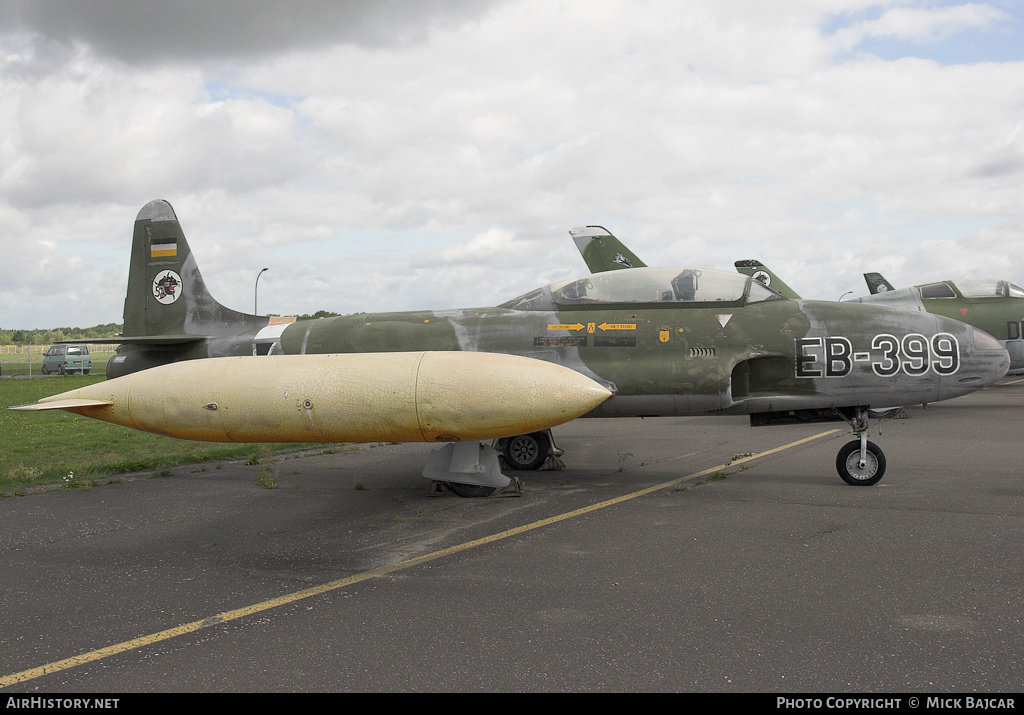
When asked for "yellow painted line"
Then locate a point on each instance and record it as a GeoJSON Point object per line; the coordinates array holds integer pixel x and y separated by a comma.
{"type": "Point", "coordinates": [566, 326]}
{"type": "Point", "coordinates": [141, 641]}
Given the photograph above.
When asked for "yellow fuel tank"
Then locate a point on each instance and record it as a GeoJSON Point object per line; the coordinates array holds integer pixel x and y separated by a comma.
{"type": "Point", "coordinates": [357, 397]}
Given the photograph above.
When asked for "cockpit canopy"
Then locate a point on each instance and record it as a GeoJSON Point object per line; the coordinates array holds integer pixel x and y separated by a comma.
{"type": "Point", "coordinates": [683, 286]}
{"type": "Point", "coordinates": [973, 288]}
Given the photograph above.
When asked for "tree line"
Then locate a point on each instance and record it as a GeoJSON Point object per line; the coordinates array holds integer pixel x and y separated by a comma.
{"type": "Point", "coordinates": [45, 336]}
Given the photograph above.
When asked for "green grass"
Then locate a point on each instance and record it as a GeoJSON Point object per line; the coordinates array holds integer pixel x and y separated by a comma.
{"type": "Point", "coordinates": [40, 449]}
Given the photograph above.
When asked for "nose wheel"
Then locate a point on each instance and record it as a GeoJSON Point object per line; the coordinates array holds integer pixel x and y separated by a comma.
{"type": "Point", "coordinates": [858, 471]}
{"type": "Point", "coordinates": [860, 463]}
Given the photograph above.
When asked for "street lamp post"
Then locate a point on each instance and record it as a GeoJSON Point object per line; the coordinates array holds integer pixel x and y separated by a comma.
{"type": "Point", "coordinates": [255, 293]}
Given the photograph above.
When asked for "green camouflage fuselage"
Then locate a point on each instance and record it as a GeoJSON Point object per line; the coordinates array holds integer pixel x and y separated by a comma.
{"type": "Point", "coordinates": [690, 360]}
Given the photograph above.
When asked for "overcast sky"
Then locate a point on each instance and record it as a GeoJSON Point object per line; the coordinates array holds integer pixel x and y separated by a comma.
{"type": "Point", "coordinates": [394, 155]}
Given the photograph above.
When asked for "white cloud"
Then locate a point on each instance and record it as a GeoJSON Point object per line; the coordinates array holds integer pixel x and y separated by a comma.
{"type": "Point", "coordinates": [448, 166]}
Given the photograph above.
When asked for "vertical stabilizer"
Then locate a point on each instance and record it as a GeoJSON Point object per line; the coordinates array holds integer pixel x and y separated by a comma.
{"type": "Point", "coordinates": [166, 294]}
{"type": "Point", "coordinates": [761, 272]}
{"type": "Point", "coordinates": [877, 284]}
{"type": "Point", "coordinates": [602, 251]}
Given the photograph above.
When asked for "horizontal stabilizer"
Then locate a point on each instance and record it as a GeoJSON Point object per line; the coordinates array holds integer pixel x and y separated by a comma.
{"type": "Point", "coordinates": [181, 339]}
{"type": "Point", "coordinates": [158, 339]}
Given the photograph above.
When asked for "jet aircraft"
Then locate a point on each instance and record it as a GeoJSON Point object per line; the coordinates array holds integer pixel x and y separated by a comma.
{"type": "Point", "coordinates": [662, 341]}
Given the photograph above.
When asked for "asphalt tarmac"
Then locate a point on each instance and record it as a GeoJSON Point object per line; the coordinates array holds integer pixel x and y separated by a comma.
{"type": "Point", "coordinates": [667, 556]}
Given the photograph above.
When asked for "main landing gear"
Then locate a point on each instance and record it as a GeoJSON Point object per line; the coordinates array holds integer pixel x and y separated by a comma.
{"type": "Point", "coordinates": [472, 469]}
{"type": "Point", "coordinates": [860, 462]}
{"type": "Point", "coordinates": [530, 451]}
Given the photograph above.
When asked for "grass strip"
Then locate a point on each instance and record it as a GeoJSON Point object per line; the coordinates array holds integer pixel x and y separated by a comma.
{"type": "Point", "coordinates": [57, 449]}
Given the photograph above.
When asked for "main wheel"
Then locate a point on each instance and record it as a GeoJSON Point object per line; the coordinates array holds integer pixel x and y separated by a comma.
{"type": "Point", "coordinates": [848, 464]}
{"type": "Point", "coordinates": [526, 451]}
{"type": "Point", "coordinates": [45, 371]}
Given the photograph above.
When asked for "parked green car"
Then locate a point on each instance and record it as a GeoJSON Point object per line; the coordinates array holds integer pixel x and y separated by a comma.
{"type": "Point", "coordinates": [63, 359]}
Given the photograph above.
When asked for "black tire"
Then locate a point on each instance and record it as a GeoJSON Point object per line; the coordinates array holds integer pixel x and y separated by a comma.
{"type": "Point", "coordinates": [45, 371]}
{"type": "Point", "coordinates": [60, 370]}
{"type": "Point", "coordinates": [470, 490]}
{"type": "Point", "coordinates": [526, 451]}
{"type": "Point", "coordinates": [85, 372]}
{"type": "Point", "coordinates": [847, 464]}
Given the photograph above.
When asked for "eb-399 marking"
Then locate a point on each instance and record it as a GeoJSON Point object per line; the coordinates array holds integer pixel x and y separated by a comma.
{"type": "Point", "coordinates": [915, 355]}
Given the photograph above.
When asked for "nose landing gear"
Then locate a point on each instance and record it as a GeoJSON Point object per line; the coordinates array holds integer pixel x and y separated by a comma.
{"type": "Point", "coordinates": [860, 462]}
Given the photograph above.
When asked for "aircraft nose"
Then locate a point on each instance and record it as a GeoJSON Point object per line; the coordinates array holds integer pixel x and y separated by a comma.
{"type": "Point", "coordinates": [984, 361]}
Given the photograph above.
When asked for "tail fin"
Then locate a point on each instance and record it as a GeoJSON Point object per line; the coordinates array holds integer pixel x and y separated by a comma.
{"type": "Point", "coordinates": [877, 284]}
{"type": "Point", "coordinates": [169, 315]}
{"type": "Point", "coordinates": [167, 299]}
{"type": "Point", "coordinates": [602, 251]}
{"type": "Point", "coordinates": [761, 272]}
